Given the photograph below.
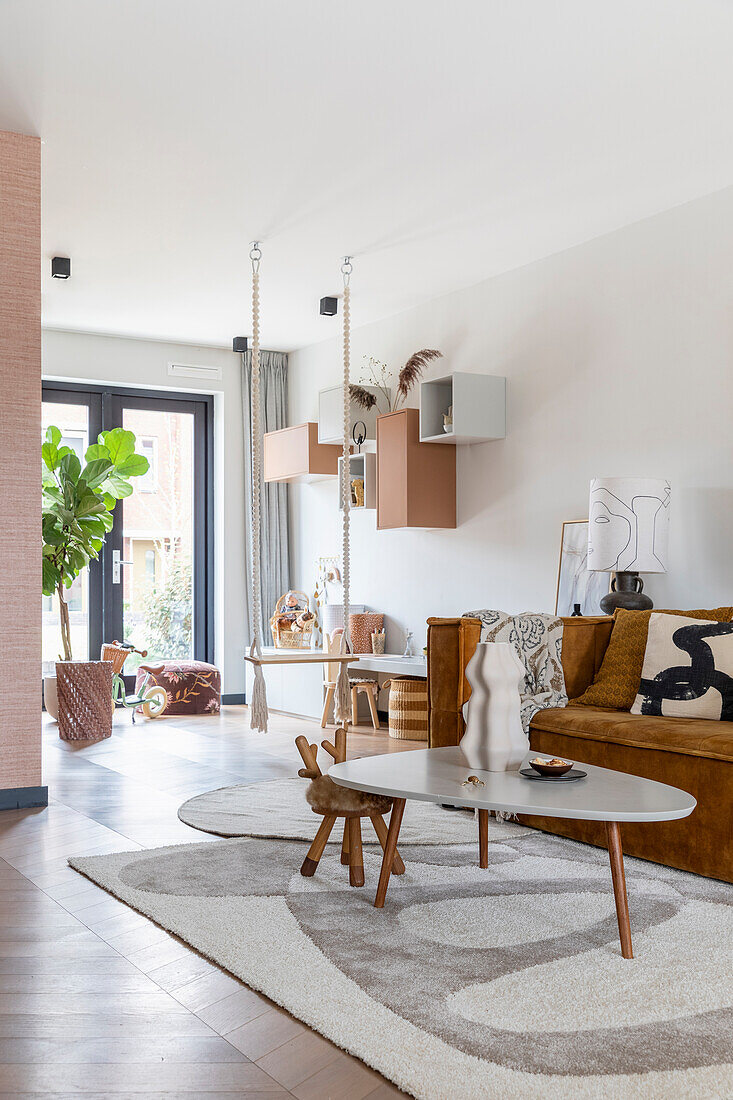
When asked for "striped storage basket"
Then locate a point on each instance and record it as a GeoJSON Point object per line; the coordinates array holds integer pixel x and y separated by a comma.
{"type": "Point", "coordinates": [408, 709]}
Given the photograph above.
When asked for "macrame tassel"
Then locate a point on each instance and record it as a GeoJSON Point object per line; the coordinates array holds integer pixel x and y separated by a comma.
{"type": "Point", "coordinates": [258, 706]}
{"type": "Point", "coordinates": [342, 701]}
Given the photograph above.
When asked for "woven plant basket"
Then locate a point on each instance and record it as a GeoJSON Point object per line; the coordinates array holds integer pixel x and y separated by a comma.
{"type": "Point", "coordinates": [84, 691]}
{"type": "Point", "coordinates": [360, 630]}
{"type": "Point", "coordinates": [408, 709]}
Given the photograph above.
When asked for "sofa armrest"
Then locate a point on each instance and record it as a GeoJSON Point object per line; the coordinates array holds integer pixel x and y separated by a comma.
{"type": "Point", "coordinates": [584, 641]}
{"type": "Point", "coordinates": [451, 644]}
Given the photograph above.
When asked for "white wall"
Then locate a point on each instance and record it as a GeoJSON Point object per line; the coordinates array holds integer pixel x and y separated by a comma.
{"type": "Point", "coordinates": [79, 357]}
{"type": "Point", "coordinates": [619, 360]}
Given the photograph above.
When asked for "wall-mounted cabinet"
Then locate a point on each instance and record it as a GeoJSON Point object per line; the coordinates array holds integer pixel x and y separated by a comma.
{"type": "Point", "coordinates": [363, 478]}
{"type": "Point", "coordinates": [331, 415]}
{"type": "Point", "coordinates": [416, 482]}
{"type": "Point", "coordinates": [294, 454]}
{"type": "Point", "coordinates": [463, 408]}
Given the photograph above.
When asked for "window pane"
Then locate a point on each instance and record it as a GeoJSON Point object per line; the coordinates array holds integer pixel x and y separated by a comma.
{"type": "Point", "coordinates": [158, 538]}
{"type": "Point", "coordinates": [73, 423]}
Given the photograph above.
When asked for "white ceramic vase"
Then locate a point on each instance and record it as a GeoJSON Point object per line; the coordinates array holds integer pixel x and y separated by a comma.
{"type": "Point", "coordinates": [494, 740]}
{"type": "Point", "coordinates": [50, 697]}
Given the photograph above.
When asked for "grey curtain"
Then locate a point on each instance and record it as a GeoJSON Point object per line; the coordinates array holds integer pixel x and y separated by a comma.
{"type": "Point", "coordinates": [274, 552]}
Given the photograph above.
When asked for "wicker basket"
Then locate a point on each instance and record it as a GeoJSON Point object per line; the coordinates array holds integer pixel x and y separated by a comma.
{"type": "Point", "coordinates": [117, 654]}
{"type": "Point", "coordinates": [408, 709]}
{"type": "Point", "coordinates": [360, 630]}
{"type": "Point", "coordinates": [85, 697]}
{"type": "Point", "coordinates": [291, 639]}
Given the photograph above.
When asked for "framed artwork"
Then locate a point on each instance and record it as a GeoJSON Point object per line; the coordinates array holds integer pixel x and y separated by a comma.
{"type": "Point", "coordinates": [575, 582]}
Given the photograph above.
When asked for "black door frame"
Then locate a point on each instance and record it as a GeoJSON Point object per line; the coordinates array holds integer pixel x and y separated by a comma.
{"type": "Point", "coordinates": [105, 404]}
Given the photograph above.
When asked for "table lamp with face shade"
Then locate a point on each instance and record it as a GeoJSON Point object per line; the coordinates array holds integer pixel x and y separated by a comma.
{"type": "Point", "coordinates": [628, 529]}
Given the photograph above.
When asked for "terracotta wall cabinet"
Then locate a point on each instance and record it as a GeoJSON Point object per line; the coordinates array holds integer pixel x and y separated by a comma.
{"type": "Point", "coordinates": [416, 482]}
{"type": "Point", "coordinates": [294, 454]}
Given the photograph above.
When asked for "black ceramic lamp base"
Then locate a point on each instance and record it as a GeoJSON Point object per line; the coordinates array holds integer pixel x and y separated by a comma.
{"type": "Point", "coordinates": [627, 591]}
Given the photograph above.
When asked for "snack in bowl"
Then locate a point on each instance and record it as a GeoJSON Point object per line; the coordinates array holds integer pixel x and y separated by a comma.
{"type": "Point", "coordinates": [553, 766]}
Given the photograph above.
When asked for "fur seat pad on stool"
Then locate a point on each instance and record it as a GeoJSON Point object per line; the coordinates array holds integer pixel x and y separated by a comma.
{"type": "Point", "coordinates": [326, 797]}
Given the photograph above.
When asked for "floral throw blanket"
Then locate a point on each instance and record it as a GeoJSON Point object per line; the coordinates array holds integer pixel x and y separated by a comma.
{"type": "Point", "coordinates": [538, 641]}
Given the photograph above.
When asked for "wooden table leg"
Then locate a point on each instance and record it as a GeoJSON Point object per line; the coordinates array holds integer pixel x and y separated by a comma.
{"type": "Point", "coordinates": [395, 821]}
{"type": "Point", "coordinates": [483, 838]}
{"type": "Point", "coordinates": [345, 844]}
{"type": "Point", "coordinates": [398, 867]}
{"type": "Point", "coordinates": [613, 836]}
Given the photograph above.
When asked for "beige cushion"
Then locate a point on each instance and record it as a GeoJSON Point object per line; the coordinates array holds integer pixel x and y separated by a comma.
{"type": "Point", "coordinates": [687, 670]}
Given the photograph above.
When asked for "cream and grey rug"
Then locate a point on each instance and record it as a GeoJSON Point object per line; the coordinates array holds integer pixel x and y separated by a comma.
{"type": "Point", "coordinates": [277, 808]}
{"type": "Point", "coordinates": [483, 985]}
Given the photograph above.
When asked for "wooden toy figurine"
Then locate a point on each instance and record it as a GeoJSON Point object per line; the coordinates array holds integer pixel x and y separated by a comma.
{"type": "Point", "coordinates": [331, 801]}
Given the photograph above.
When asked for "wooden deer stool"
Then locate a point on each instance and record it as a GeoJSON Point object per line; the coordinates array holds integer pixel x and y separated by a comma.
{"type": "Point", "coordinates": [331, 801]}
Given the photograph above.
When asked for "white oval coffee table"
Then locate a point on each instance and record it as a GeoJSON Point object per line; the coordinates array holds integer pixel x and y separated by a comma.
{"type": "Point", "coordinates": [437, 775]}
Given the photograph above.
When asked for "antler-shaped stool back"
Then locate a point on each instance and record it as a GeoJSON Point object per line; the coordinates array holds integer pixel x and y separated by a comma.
{"type": "Point", "coordinates": [332, 801]}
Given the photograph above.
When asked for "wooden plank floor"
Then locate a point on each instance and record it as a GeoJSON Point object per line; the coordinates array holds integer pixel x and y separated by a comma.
{"type": "Point", "coordinates": [96, 1000]}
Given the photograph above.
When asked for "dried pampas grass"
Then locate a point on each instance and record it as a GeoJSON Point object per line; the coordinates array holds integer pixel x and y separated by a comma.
{"type": "Point", "coordinates": [363, 398]}
{"type": "Point", "coordinates": [413, 368]}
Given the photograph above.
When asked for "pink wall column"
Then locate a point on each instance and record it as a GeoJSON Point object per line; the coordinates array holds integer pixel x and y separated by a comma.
{"type": "Point", "coordinates": [20, 489]}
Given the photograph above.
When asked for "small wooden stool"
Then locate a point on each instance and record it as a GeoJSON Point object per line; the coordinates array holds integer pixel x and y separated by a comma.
{"type": "Point", "coordinates": [371, 689]}
{"type": "Point", "coordinates": [331, 801]}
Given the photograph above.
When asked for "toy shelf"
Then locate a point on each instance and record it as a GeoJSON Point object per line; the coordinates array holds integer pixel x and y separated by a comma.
{"type": "Point", "coordinates": [362, 469]}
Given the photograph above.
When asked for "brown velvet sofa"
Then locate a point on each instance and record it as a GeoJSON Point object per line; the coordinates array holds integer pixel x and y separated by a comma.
{"type": "Point", "coordinates": [693, 754]}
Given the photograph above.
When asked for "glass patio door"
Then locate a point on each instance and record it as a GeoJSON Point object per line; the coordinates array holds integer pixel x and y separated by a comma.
{"type": "Point", "coordinates": [153, 585]}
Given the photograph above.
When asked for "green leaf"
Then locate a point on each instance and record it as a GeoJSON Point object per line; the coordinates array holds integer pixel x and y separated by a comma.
{"type": "Point", "coordinates": [50, 578]}
{"type": "Point", "coordinates": [53, 435]}
{"type": "Point", "coordinates": [52, 537]}
{"type": "Point", "coordinates": [95, 471]}
{"type": "Point", "coordinates": [50, 455]}
{"type": "Point", "coordinates": [109, 501]}
{"type": "Point", "coordinates": [70, 467]}
{"type": "Point", "coordinates": [97, 452]}
{"type": "Point", "coordinates": [120, 444]}
{"type": "Point", "coordinates": [118, 486]}
{"type": "Point", "coordinates": [134, 466]}
{"type": "Point", "coordinates": [52, 494]}
{"type": "Point", "coordinates": [93, 524]}
{"type": "Point", "coordinates": [89, 505]}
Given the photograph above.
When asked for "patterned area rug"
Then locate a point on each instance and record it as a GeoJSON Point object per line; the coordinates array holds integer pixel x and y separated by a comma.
{"type": "Point", "coordinates": [277, 808]}
{"type": "Point", "coordinates": [484, 985]}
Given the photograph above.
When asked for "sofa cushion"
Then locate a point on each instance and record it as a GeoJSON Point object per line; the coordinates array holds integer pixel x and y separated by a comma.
{"type": "Point", "coordinates": [617, 680]}
{"type": "Point", "coordinates": [688, 670]}
{"type": "Point", "coordinates": [688, 736]}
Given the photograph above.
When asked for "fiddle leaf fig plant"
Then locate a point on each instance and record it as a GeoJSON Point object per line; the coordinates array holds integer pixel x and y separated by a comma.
{"type": "Point", "coordinates": [78, 507]}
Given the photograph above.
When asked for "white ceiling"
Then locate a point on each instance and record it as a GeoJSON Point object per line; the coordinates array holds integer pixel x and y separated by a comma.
{"type": "Point", "coordinates": [439, 141]}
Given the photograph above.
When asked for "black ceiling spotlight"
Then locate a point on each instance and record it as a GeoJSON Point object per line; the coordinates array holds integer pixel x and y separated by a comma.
{"type": "Point", "coordinates": [240, 343]}
{"type": "Point", "coordinates": [60, 267]}
{"type": "Point", "coordinates": [328, 307]}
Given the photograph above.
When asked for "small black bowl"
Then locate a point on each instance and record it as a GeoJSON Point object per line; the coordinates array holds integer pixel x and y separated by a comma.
{"type": "Point", "coordinates": [550, 769]}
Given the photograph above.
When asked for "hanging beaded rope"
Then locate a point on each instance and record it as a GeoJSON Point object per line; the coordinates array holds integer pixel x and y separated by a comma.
{"type": "Point", "coordinates": [341, 705]}
{"type": "Point", "coordinates": [258, 708]}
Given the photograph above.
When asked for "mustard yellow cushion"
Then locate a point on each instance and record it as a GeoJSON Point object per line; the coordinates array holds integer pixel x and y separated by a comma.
{"type": "Point", "coordinates": [617, 680]}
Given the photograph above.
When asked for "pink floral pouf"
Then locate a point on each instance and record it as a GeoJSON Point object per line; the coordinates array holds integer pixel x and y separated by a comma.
{"type": "Point", "coordinates": [193, 687]}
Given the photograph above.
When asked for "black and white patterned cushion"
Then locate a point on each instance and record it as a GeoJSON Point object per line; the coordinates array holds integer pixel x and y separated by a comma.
{"type": "Point", "coordinates": [688, 669]}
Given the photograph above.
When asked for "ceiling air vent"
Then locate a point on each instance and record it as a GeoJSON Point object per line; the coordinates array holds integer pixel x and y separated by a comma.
{"type": "Point", "coordinates": [184, 370]}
